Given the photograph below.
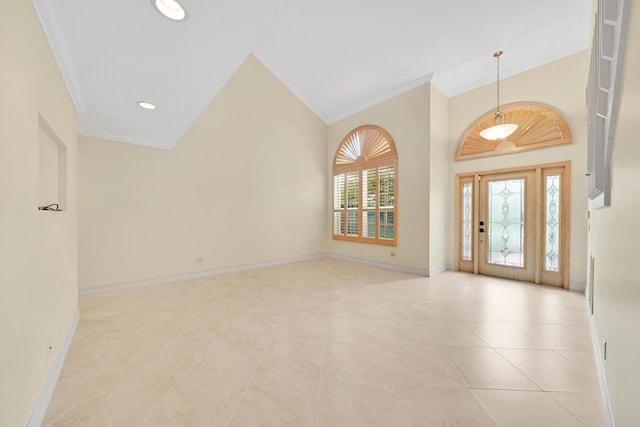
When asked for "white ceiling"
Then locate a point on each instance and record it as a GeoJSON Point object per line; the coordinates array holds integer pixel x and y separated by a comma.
{"type": "Point", "coordinates": [337, 56]}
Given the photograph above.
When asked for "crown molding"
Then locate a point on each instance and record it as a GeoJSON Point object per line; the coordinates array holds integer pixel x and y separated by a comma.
{"type": "Point", "coordinates": [93, 133]}
{"type": "Point", "coordinates": [375, 101]}
{"type": "Point", "coordinates": [52, 22]}
{"type": "Point", "coordinates": [446, 81]}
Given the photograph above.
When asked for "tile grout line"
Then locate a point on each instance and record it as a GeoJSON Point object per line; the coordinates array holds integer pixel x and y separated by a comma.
{"type": "Point", "coordinates": [246, 387]}
{"type": "Point", "coordinates": [497, 350]}
{"type": "Point", "coordinates": [165, 394]}
{"type": "Point", "coordinates": [484, 408]}
{"type": "Point", "coordinates": [325, 357]}
{"type": "Point", "coordinates": [170, 388]}
{"type": "Point", "coordinates": [59, 417]}
{"type": "Point", "coordinates": [395, 396]}
{"type": "Point", "coordinates": [562, 406]}
{"type": "Point", "coordinates": [324, 346]}
{"type": "Point", "coordinates": [122, 370]}
{"type": "Point", "coordinates": [568, 359]}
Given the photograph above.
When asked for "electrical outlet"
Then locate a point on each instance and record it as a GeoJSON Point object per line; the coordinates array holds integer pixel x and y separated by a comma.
{"type": "Point", "coordinates": [199, 261]}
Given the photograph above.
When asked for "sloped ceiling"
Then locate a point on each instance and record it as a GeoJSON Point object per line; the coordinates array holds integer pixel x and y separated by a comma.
{"type": "Point", "coordinates": [337, 56]}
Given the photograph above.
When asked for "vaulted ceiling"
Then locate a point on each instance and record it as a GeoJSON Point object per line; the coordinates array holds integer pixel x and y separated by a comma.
{"type": "Point", "coordinates": [337, 56]}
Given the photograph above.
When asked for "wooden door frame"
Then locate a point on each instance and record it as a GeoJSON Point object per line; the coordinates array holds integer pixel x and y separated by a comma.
{"type": "Point", "coordinates": [539, 246]}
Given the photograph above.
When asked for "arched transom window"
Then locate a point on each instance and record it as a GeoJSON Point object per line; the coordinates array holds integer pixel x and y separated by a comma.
{"type": "Point", "coordinates": [365, 190]}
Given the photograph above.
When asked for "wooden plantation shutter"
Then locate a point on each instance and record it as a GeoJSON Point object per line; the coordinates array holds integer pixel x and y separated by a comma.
{"type": "Point", "coordinates": [365, 187]}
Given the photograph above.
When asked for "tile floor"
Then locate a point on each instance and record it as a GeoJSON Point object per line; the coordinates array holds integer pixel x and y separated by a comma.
{"type": "Point", "coordinates": [331, 343]}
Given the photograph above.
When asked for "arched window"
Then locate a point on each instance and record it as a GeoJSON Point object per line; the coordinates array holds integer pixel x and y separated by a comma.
{"type": "Point", "coordinates": [365, 187]}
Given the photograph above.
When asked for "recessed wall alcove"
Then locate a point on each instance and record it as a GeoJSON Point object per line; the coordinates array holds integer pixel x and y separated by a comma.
{"type": "Point", "coordinates": [52, 167]}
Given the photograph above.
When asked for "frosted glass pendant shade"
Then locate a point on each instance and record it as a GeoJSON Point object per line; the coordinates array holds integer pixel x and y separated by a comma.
{"type": "Point", "coordinates": [498, 131]}
{"type": "Point", "coordinates": [171, 9]}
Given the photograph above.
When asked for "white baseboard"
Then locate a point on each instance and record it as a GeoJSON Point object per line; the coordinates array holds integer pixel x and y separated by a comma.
{"type": "Point", "coordinates": [37, 416]}
{"type": "Point", "coordinates": [193, 275]}
{"type": "Point", "coordinates": [404, 269]}
{"type": "Point", "coordinates": [217, 271]}
{"type": "Point", "coordinates": [604, 391]}
{"type": "Point", "coordinates": [577, 286]}
{"type": "Point", "coordinates": [434, 271]}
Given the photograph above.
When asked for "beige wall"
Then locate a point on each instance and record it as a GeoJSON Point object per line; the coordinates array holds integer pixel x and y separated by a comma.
{"type": "Point", "coordinates": [613, 240]}
{"type": "Point", "coordinates": [38, 271]}
{"type": "Point", "coordinates": [439, 215]}
{"type": "Point", "coordinates": [561, 85]}
{"type": "Point", "coordinates": [244, 185]}
{"type": "Point", "coordinates": [406, 118]}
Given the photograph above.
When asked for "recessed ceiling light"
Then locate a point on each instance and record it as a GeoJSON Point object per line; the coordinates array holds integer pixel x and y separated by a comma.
{"type": "Point", "coordinates": [147, 105]}
{"type": "Point", "coordinates": [170, 8]}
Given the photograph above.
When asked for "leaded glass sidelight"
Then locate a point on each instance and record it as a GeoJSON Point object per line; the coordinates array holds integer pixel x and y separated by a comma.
{"type": "Point", "coordinates": [552, 223]}
{"type": "Point", "coordinates": [506, 222]}
{"type": "Point", "coordinates": [467, 219]}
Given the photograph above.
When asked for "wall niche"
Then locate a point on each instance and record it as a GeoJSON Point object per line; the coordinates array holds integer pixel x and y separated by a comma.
{"type": "Point", "coordinates": [52, 169]}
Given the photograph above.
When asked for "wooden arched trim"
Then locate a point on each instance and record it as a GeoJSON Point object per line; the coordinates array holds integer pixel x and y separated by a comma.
{"type": "Point", "coordinates": [539, 126]}
{"type": "Point", "coordinates": [365, 144]}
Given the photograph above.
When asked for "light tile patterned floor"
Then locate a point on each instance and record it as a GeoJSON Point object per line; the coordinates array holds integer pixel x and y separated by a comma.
{"type": "Point", "coordinates": [331, 343]}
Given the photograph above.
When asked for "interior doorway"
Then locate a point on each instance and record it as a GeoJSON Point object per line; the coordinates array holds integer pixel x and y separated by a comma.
{"type": "Point", "coordinates": [514, 223]}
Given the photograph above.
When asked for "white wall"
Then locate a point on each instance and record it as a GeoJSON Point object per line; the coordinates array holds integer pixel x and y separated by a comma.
{"type": "Point", "coordinates": [38, 250]}
{"type": "Point", "coordinates": [245, 184]}
{"type": "Point", "coordinates": [613, 240]}
{"type": "Point", "coordinates": [561, 85]}
{"type": "Point", "coordinates": [439, 162]}
{"type": "Point", "coordinates": [406, 118]}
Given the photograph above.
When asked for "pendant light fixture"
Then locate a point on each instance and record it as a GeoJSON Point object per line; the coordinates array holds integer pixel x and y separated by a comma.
{"type": "Point", "coordinates": [500, 130]}
{"type": "Point", "coordinates": [170, 8]}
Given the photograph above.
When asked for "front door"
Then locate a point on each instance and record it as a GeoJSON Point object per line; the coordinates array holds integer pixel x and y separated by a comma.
{"type": "Point", "coordinates": [514, 223]}
{"type": "Point", "coordinates": [506, 226]}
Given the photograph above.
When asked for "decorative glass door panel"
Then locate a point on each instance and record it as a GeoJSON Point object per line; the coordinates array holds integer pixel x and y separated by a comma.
{"type": "Point", "coordinates": [505, 222]}
{"type": "Point", "coordinates": [506, 249]}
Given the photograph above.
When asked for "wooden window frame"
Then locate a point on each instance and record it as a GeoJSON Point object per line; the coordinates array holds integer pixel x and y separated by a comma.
{"type": "Point", "coordinates": [366, 161]}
